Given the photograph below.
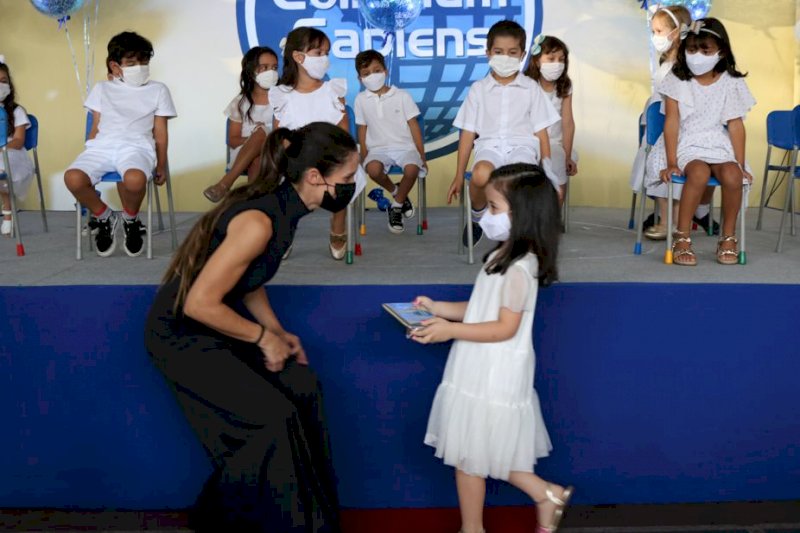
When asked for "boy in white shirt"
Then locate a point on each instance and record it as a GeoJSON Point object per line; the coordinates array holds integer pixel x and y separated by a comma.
{"type": "Point", "coordinates": [505, 117]}
{"type": "Point", "coordinates": [128, 136]}
{"type": "Point", "coordinates": [388, 134]}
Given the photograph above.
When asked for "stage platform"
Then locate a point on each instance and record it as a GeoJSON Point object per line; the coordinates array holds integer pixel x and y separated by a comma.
{"type": "Point", "coordinates": [658, 384]}
{"type": "Point", "coordinates": [598, 248]}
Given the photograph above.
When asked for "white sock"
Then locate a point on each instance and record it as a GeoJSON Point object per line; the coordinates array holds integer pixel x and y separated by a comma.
{"type": "Point", "coordinates": [702, 210]}
{"type": "Point", "coordinates": [395, 203]}
{"type": "Point", "coordinates": [478, 213]}
{"type": "Point", "coordinates": [105, 214]}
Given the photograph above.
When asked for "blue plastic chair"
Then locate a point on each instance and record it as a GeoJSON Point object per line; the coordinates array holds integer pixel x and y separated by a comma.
{"type": "Point", "coordinates": [631, 219]}
{"type": "Point", "coordinates": [152, 190]}
{"type": "Point", "coordinates": [8, 176]}
{"type": "Point", "coordinates": [32, 145]}
{"type": "Point", "coordinates": [649, 134]}
{"type": "Point", "coordinates": [794, 173]}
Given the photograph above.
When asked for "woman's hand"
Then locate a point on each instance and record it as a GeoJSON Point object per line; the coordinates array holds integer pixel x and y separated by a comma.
{"type": "Point", "coordinates": [433, 330]}
{"type": "Point", "coordinates": [295, 346]}
{"type": "Point", "coordinates": [424, 303]}
{"type": "Point", "coordinates": [667, 173]}
{"type": "Point", "coordinates": [275, 350]}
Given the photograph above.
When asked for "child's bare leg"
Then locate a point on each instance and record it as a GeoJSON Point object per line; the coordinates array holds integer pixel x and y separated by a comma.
{"type": "Point", "coordinates": [535, 487]}
{"type": "Point", "coordinates": [132, 191]}
{"type": "Point", "coordinates": [376, 173]}
{"type": "Point", "coordinates": [410, 175]}
{"type": "Point", "coordinates": [79, 184]}
{"type": "Point", "coordinates": [729, 176]}
{"type": "Point", "coordinates": [477, 186]}
{"type": "Point", "coordinates": [6, 200]}
{"type": "Point", "coordinates": [250, 151]}
{"type": "Point", "coordinates": [697, 175]}
{"type": "Point", "coordinates": [253, 170]}
{"type": "Point", "coordinates": [471, 495]}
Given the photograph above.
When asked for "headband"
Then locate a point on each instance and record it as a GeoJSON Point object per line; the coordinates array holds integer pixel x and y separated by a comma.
{"type": "Point", "coordinates": [696, 27]}
{"type": "Point", "coordinates": [671, 15]}
{"type": "Point", "coordinates": [536, 48]}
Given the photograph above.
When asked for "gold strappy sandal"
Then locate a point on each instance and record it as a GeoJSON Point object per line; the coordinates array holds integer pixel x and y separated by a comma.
{"type": "Point", "coordinates": [683, 256]}
{"type": "Point", "coordinates": [728, 256]}
{"type": "Point", "coordinates": [338, 245]}
{"type": "Point", "coordinates": [561, 505]}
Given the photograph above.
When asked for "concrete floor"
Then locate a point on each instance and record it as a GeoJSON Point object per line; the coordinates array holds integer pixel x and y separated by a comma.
{"type": "Point", "coordinates": [596, 249]}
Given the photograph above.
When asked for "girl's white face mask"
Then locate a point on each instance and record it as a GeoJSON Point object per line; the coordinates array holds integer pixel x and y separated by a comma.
{"type": "Point", "coordinates": [267, 79]}
{"type": "Point", "coordinates": [661, 43]}
{"type": "Point", "coordinates": [316, 66]}
{"type": "Point", "coordinates": [136, 75]}
{"type": "Point", "coordinates": [551, 71]}
{"type": "Point", "coordinates": [5, 90]}
{"type": "Point", "coordinates": [497, 227]}
{"type": "Point", "coordinates": [700, 63]}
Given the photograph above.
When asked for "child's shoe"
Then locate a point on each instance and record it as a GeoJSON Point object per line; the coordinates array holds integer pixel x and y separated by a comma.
{"type": "Point", "coordinates": [105, 238]}
{"type": "Point", "coordinates": [477, 234]}
{"type": "Point", "coordinates": [408, 208]}
{"type": "Point", "coordinates": [134, 236]}
{"type": "Point", "coordinates": [396, 220]}
{"type": "Point", "coordinates": [338, 245]}
{"type": "Point", "coordinates": [5, 227]}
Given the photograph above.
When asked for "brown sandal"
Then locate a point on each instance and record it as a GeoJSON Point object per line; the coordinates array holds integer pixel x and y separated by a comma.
{"type": "Point", "coordinates": [727, 256]}
{"type": "Point", "coordinates": [338, 245]}
{"type": "Point", "coordinates": [216, 192]}
{"type": "Point", "coordinates": [680, 237]}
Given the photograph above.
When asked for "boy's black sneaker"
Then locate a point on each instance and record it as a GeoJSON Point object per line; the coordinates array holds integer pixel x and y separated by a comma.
{"type": "Point", "coordinates": [408, 208]}
{"type": "Point", "coordinates": [134, 236]}
{"type": "Point", "coordinates": [105, 234]}
{"type": "Point", "coordinates": [477, 234]}
{"type": "Point", "coordinates": [396, 220]}
{"type": "Point", "coordinates": [703, 223]}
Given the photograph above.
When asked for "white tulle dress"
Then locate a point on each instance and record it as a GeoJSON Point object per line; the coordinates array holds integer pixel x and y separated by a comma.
{"type": "Point", "coordinates": [486, 419]}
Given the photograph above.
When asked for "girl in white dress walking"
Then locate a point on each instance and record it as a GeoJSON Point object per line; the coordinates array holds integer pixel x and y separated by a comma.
{"type": "Point", "coordinates": [706, 100]}
{"type": "Point", "coordinates": [485, 420]}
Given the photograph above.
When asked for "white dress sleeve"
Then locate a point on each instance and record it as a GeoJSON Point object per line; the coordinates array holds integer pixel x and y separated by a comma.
{"type": "Point", "coordinates": [738, 100]}
{"type": "Point", "coordinates": [278, 99]}
{"type": "Point", "coordinates": [338, 88]}
{"type": "Point", "coordinates": [467, 117]}
{"type": "Point", "coordinates": [678, 90]}
{"type": "Point", "coordinates": [543, 114]}
{"type": "Point", "coordinates": [165, 107]}
{"type": "Point", "coordinates": [21, 118]}
{"type": "Point", "coordinates": [92, 102]}
{"type": "Point", "coordinates": [232, 111]}
{"type": "Point", "coordinates": [518, 287]}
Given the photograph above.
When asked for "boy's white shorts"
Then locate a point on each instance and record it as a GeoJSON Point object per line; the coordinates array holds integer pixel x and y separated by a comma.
{"type": "Point", "coordinates": [102, 157]}
{"type": "Point", "coordinates": [506, 155]}
{"type": "Point", "coordinates": [398, 157]}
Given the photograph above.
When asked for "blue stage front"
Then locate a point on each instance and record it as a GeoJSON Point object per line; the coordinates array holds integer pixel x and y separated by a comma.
{"type": "Point", "coordinates": [652, 393]}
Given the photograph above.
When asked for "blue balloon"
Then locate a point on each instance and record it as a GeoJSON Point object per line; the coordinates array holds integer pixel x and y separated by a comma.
{"type": "Point", "coordinates": [57, 8]}
{"type": "Point", "coordinates": [697, 8]}
{"type": "Point", "coordinates": [390, 15]}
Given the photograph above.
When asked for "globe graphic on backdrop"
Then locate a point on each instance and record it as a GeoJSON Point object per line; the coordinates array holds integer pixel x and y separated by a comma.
{"type": "Point", "coordinates": [435, 59]}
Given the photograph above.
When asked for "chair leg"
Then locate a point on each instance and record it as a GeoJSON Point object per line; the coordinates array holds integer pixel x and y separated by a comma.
{"type": "Point", "coordinates": [763, 190]}
{"type": "Point", "coordinates": [420, 203]}
{"type": "Point", "coordinates": [362, 209]}
{"type": "Point", "coordinates": [565, 210]}
{"type": "Point", "coordinates": [637, 247]}
{"type": "Point", "coordinates": [633, 210]}
{"type": "Point", "coordinates": [41, 191]}
{"type": "Point", "coordinates": [349, 252]}
{"type": "Point", "coordinates": [668, 251]}
{"type": "Point", "coordinates": [792, 209]}
{"type": "Point", "coordinates": [14, 215]}
{"type": "Point", "coordinates": [742, 231]}
{"type": "Point", "coordinates": [158, 209]}
{"type": "Point", "coordinates": [150, 185]}
{"type": "Point", "coordinates": [424, 203]}
{"type": "Point", "coordinates": [786, 205]}
{"type": "Point", "coordinates": [359, 208]}
{"type": "Point", "coordinates": [460, 249]}
{"type": "Point", "coordinates": [171, 206]}
{"type": "Point", "coordinates": [468, 208]}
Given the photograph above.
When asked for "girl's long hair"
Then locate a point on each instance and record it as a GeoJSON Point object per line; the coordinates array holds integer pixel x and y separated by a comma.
{"type": "Point", "coordinates": [552, 44]}
{"type": "Point", "coordinates": [247, 80]}
{"type": "Point", "coordinates": [299, 40]}
{"type": "Point", "coordinates": [285, 154]}
{"type": "Point", "coordinates": [727, 63]}
{"type": "Point", "coordinates": [535, 220]}
{"type": "Point", "coordinates": [10, 103]}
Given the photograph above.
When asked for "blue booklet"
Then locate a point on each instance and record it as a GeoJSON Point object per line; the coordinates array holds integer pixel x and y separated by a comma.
{"type": "Point", "coordinates": [408, 315]}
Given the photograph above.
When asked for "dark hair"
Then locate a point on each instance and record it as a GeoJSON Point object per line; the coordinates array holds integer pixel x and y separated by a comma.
{"type": "Point", "coordinates": [535, 220]}
{"type": "Point", "coordinates": [299, 40]}
{"type": "Point", "coordinates": [505, 28]}
{"type": "Point", "coordinates": [726, 63]}
{"type": "Point", "coordinates": [10, 103]}
{"type": "Point", "coordinates": [548, 45]}
{"type": "Point", "coordinates": [247, 80]}
{"type": "Point", "coordinates": [285, 154]}
{"type": "Point", "coordinates": [129, 44]}
{"type": "Point", "coordinates": [365, 59]}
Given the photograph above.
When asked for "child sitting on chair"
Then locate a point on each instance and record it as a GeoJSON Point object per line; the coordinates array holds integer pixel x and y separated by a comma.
{"type": "Point", "coordinates": [388, 134]}
{"type": "Point", "coordinates": [128, 136]}
{"type": "Point", "coordinates": [505, 116]}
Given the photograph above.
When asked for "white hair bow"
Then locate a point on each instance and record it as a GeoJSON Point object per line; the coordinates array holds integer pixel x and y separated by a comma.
{"type": "Point", "coordinates": [2, 58]}
{"type": "Point", "coordinates": [696, 27]}
{"type": "Point", "coordinates": [537, 44]}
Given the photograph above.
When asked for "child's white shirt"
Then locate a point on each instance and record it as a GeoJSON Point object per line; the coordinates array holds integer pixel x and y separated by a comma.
{"type": "Point", "coordinates": [20, 119]}
{"type": "Point", "coordinates": [294, 109]}
{"type": "Point", "coordinates": [128, 113]}
{"type": "Point", "coordinates": [386, 117]}
{"type": "Point", "coordinates": [510, 113]}
{"type": "Point", "coordinates": [260, 113]}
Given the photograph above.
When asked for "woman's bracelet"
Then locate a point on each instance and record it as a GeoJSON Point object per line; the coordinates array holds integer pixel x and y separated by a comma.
{"type": "Point", "coordinates": [261, 336]}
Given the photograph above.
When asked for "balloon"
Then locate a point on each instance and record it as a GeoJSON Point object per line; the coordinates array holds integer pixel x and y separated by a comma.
{"type": "Point", "coordinates": [57, 8]}
{"type": "Point", "coordinates": [697, 8]}
{"type": "Point", "coordinates": [390, 15]}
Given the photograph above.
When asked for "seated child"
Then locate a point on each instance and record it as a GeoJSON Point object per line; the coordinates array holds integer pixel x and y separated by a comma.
{"type": "Point", "coordinates": [128, 136]}
{"type": "Point", "coordinates": [388, 134]}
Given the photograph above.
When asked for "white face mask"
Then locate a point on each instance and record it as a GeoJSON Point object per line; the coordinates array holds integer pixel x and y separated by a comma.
{"type": "Point", "coordinates": [375, 81]}
{"type": "Point", "coordinates": [5, 90]}
{"type": "Point", "coordinates": [496, 227]}
{"type": "Point", "coordinates": [267, 79]}
{"type": "Point", "coordinates": [504, 66]}
{"type": "Point", "coordinates": [700, 63]}
{"type": "Point", "coordinates": [316, 66]}
{"type": "Point", "coordinates": [551, 71]}
{"type": "Point", "coordinates": [136, 75]}
{"type": "Point", "coordinates": [661, 43]}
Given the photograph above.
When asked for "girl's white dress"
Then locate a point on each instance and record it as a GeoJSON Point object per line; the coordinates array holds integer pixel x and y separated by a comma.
{"type": "Point", "coordinates": [261, 113]}
{"type": "Point", "coordinates": [704, 112]}
{"type": "Point", "coordinates": [555, 133]}
{"type": "Point", "coordinates": [19, 160]}
{"type": "Point", "coordinates": [486, 419]}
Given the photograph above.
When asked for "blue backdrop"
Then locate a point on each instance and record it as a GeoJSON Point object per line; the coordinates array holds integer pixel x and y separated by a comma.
{"type": "Point", "coordinates": [698, 407]}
